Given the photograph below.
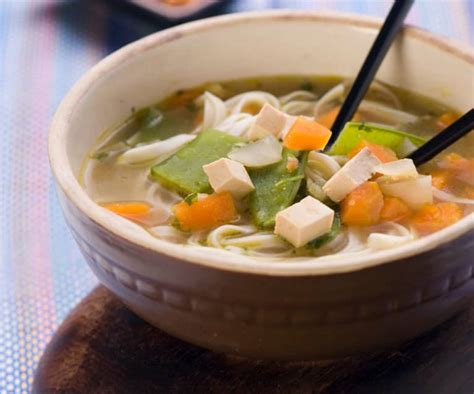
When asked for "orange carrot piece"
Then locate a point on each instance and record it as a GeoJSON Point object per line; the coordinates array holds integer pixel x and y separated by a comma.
{"type": "Point", "coordinates": [440, 178]}
{"type": "Point", "coordinates": [205, 214]}
{"type": "Point", "coordinates": [128, 208]}
{"type": "Point", "coordinates": [306, 134]}
{"type": "Point", "coordinates": [446, 119]}
{"type": "Point", "coordinates": [327, 119]}
{"type": "Point", "coordinates": [434, 217]}
{"type": "Point", "coordinates": [134, 210]}
{"type": "Point", "coordinates": [362, 207]}
{"type": "Point", "coordinates": [394, 210]}
{"type": "Point", "coordinates": [383, 153]}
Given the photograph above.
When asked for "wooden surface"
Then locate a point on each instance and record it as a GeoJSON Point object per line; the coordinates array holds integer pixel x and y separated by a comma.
{"type": "Point", "coordinates": [104, 348]}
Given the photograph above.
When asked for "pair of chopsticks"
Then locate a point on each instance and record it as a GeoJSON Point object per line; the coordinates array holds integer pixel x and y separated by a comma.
{"type": "Point", "coordinates": [380, 47]}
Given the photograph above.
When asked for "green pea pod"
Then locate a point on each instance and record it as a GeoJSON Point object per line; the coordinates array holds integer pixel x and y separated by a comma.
{"type": "Point", "coordinates": [183, 171]}
{"type": "Point", "coordinates": [154, 124]}
{"type": "Point", "coordinates": [354, 132]}
{"type": "Point", "coordinates": [275, 188]}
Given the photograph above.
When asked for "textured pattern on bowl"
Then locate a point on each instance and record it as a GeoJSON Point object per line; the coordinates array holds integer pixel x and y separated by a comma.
{"type": "Point", "coordinates": [289, 310]}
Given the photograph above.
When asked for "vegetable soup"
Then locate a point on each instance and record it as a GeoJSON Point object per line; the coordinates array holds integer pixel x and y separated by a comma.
{"type": "Point", "coordinates": [245, 166]}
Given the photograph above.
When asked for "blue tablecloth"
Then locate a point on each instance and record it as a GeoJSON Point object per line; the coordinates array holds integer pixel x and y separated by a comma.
{"type": "Point", "coordinates": [45, 46]}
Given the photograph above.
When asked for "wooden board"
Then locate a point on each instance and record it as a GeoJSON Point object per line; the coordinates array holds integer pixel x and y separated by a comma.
{"type": "Point", "coordinates": [102, 347]}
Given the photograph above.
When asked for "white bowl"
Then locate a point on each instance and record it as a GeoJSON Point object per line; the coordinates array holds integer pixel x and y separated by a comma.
{"type": "Point", "coordinates": [294, 309]}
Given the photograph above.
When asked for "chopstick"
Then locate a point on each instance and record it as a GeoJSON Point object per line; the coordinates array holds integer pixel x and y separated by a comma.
{"type": "Point", "coordinates": [380, 47]}
{"type": "Point", "coordinates": [445, 138]}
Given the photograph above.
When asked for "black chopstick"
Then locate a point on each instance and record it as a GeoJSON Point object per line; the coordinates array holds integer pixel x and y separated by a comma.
{"type": "Point", "coordinates": [389, 30]}
{"type": "Point", "coordinates": [445, 138]}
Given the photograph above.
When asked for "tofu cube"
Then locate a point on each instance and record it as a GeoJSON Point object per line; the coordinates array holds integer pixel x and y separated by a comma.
{"type": "Point", "coordinates": [268, 121]}
{"type": "Point", "coordinates": [354, 173]}
{"type": "Point", "coordinates": [304, 221]}
{"type": "Point", "coordinates": [397, 170]}
{"type": "Point", "coordinates": [414, 192]}
{"type": "Point", "coordinates": [227, 175]}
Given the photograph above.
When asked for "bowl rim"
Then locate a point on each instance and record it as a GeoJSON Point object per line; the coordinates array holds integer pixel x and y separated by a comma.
{"type": "Point", "coordinates": [127, 231]}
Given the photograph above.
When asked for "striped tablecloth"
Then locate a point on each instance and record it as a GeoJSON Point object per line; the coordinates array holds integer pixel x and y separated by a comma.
{"type": "Point", "coordinates": [45, 46]}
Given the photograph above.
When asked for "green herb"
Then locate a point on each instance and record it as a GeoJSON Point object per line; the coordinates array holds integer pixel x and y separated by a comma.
{"type": "Point", "coordinates": [287, 180]}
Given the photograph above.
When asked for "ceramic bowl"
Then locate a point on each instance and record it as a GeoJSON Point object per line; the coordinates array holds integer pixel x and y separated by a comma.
{"type": "Point", "coordinates": [291, 310]}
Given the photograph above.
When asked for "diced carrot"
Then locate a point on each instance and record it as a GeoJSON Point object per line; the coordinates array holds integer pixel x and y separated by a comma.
{"type": "Point", "coordinates": [394, 210]}
{"type": "Point", "coordinates": [434, 217]}
{"type": "Point", "coordinates": [446, 119]}
{"type": "Point", "coordinates": [306, 134]}
{"type": "Point", "coordinates": [383, 153]}
{"type": "Point", "coordinates": [129, 209]}
{"type": "Point", "coordinates": [327, 119]}
{"type": "Point", "coordinates": [207, 213]}
{"type": "Point", "coordinates": [440, 178]}
{"type": "Point", "coordinates": [362, 207]}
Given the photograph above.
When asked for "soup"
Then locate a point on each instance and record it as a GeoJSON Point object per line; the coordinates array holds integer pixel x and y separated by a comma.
{"type": "Point", "coordinates": [244, 166]}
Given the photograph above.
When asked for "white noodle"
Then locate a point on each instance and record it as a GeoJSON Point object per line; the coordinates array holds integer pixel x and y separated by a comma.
{"type": "Point", "coordinates": [156, 151]}
{"type": "Point", "coordinates": [329, 100]}
{"type": "Point", "coordinates": [356, 242]}
{"type": "Point", "coordinates": [298, 107]}
{"type": "Point", "coordinates": [237, 124]}
{"type": "Point", "coordinates": [389, 235]}
{"type": "Point", "coordinates": [392, 98]}
{"type": "Point", "coordinates": [299, 102]}
{"type": "Point", "coordinates": [387, 114]}
{"type": "Point", "coordinates": [298, 95]}
{"type": "Point", "coordinates": [443, 196]}
{"type": "Point", "coordinates": [238, 103]}
{"type": "Point", "coordinates": [215, 111]}
{"type": "Point", "coordinates": [216, 236]}
{"type": "Point", "coordinates": [323, 164]}
{"type": "Point", "coordinates": [160, 197]}
{"type": "Point", "coordinates": [246, 239]}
